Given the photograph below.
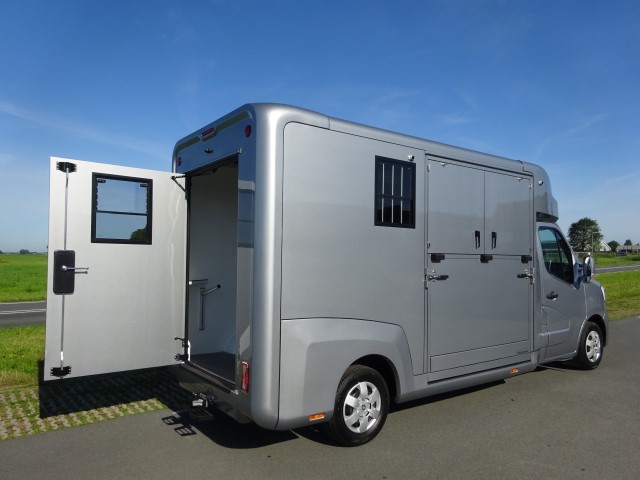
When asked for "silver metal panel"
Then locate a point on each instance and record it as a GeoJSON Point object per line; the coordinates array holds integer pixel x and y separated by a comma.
{"type": "Point", "coordinates": [125, 313]}
{"type": "Point", "coordinates": [315, 354]}
{"type": "Point", "coordinates": [335, 261]}
{"type": "Point", "coordinates": [479, 307]}
{"type": "Point", "coordinates": [455, 208]}
{"type": "Point", "coordinates": [508, 214]}
{"type": "Point", "coordinates": [443, 369]}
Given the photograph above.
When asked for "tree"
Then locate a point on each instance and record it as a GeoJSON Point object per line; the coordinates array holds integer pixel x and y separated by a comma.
{"type": "Point", "coordinates": [139, 235]}
{"type": "Point", "coordinates": [584, 235]}
{"type": "Point", "coordinates": [628, 243]}
{"type": "Point", "coordinates": [613, 245]}
{"type": "Point", "coordinates": [24, 251]}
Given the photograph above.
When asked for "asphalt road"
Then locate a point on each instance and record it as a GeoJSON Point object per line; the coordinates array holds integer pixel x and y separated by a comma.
{"type": "Point", "coordinates": [22, 313]}
{"type": "Point", "coordinates": [552, 423]}
{"type": "Point", "coordinates": [621, 268]}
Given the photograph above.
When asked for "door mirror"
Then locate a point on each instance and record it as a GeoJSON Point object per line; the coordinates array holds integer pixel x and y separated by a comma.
{"type": "Point", "coordinates": [587, 267]}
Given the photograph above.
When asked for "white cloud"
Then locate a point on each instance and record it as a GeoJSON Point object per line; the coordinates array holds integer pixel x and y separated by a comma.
{"type": "Point", "coordinates": [581, 125]}
{"type": "Point", "coordinates": [82, 131]}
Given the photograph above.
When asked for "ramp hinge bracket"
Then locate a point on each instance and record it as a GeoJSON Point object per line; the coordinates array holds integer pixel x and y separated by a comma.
{"type": "Point", "coordinates": [183, 357]}
{"type": "Point", "coordinates": [60, 371]}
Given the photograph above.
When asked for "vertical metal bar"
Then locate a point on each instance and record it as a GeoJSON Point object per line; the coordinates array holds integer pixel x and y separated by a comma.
{"type": "Point", "coordinates": [201, 326]}
{"type": "Point", "coordinates": [401, 195]}
{"type": "Point", "coordinates": [64, 296]}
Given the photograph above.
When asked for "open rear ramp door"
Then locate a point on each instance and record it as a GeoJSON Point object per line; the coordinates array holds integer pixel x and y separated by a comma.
{"type": "Point", "coordinates": [116, 273]}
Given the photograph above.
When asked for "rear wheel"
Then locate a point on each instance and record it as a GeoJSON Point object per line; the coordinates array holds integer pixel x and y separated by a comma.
{"type": "Point", "coordinates": [591, 347]}
{"type": "Point", "coordinates": [361, 406]}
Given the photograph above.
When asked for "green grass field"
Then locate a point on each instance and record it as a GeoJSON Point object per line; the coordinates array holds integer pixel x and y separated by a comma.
{"type": "Point", "coordinates": [623, 293]}
{"type": "Point", "coordinates": [20, 350]}
{"type": "Point", "coordinates": [610, 260]}
{"type": "Point", "coordinates": [23, 278]}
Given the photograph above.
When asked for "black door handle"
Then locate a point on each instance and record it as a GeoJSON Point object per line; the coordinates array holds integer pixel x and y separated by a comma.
{"type": "Point", "coordinates": [552, 295]}
{"type": "Point", "coordinates": [477, 237]}
{"type": "Point", "coordinates": [432, 277]}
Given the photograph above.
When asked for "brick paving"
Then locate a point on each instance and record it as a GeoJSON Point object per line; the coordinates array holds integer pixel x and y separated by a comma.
{"type": "Point", "coordinates": [29, 410]}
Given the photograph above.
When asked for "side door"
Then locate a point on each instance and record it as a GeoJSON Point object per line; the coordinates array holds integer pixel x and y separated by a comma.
{"type": "Point", "coordinates": [116, 273]}
{"type": "Point", "coordinates": [477, 272]}
{"type": "Point", "coordinates": [563, 303]}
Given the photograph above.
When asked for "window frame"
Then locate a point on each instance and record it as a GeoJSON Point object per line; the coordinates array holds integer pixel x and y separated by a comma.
{"type": "Point", "coordinates": [562, 252]}
{"type": "Point", "coordinates": [378, 195]}
{"type": "Point", "coordinates": [94, 209]}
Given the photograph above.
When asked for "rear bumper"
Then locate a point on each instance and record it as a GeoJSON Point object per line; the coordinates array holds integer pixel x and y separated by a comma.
{"type": "Point", "coordinates": [225, 398]}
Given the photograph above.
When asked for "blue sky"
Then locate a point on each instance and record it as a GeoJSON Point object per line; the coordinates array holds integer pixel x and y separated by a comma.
{"type": "Point", "coordinates": [552, 82]}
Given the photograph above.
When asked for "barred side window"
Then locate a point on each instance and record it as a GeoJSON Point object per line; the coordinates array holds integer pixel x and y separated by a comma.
{"type": "Point", "coordinates": [395, 193]}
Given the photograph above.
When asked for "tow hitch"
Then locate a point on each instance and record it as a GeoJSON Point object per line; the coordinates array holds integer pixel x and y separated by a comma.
{"type": "Point", "coordinates": [201, 407]}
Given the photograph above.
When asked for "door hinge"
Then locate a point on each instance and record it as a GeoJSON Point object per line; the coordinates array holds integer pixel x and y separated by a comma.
{"type": "Point", "coordinates": [186, 356]}
{"type": "Point", "coordinates": [60, 371]}
{"type": "Point", "coordinates": [66, 167]}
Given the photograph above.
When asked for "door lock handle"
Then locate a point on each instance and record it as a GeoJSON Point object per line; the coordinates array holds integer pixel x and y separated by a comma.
{"type": "Point", "coordinates": [76, 270]}
{"type": "Point", "coordinates": [432, 277]}
{"type": "Point", "coordinates": [552, 295]}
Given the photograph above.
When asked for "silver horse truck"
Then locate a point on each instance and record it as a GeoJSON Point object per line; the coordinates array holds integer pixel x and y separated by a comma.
{"type": "Point", "coordinates": [301, 269]}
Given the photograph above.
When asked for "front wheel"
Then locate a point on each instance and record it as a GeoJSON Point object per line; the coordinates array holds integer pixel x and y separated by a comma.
{"type": "Point", "coordinates": [361, 406]}
{"type": "Point", "coordinates": [591, 347]}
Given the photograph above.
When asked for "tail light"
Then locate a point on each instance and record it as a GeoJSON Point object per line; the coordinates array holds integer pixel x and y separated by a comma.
{"type": "Point", "coordinates": [244, 382]}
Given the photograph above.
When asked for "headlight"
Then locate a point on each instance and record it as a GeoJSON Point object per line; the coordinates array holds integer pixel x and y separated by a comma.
{"type": "Point", "coordinates": [604, 295]}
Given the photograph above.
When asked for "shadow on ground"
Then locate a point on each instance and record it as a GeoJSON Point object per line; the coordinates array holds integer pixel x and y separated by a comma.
{"type": "Point", "coordinates": [226, 432]}
{"type": "Point", "coordinates": [73, 395]}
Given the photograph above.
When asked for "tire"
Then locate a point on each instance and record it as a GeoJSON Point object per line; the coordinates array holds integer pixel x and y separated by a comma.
{"type": "Point", "coordinates": [591, 347]}
{"type": "Point", "coordinates": [361, 407]}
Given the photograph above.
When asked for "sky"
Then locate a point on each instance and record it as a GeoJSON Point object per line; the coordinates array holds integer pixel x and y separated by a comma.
{"type": "Point", "coordinates": [551, 82]}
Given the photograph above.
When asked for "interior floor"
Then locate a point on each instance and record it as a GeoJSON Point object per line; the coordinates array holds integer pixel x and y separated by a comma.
{"type": "Point", "coordinates": [222, 363]}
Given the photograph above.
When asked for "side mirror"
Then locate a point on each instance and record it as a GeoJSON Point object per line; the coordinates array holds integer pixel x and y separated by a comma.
{"type": "Point", "coordinates": [588, 267]}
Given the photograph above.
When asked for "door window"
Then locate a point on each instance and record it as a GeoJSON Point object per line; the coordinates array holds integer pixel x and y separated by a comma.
{"type": "Point", "coordinates": [121, 210]}
{"type": "Point", "coordinates": [556, 254]}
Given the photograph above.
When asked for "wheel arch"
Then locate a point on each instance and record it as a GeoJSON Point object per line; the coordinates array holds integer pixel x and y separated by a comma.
{"type": "Point", "coordinates": [384, 367]}
{"type": "Point", "coordinates": [598, 320]}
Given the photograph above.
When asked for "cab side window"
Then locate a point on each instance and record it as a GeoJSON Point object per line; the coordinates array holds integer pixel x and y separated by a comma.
{"type": "Point", "coordinates": [556, 254]}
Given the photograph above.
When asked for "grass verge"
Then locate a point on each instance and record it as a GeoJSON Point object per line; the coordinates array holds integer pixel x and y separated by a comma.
{"type": "Point", "coordinates": [20, 350]}
{"type": "Point", "coordinates": [23, 278]}
{"type": "Point", "coordinates": [609, 260]}
{"type": "Point", "coordinates": [623, 293]}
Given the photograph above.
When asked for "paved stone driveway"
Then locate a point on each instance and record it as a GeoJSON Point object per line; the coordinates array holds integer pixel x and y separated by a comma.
{"type": "Point", "coordinates": [33, 409]}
